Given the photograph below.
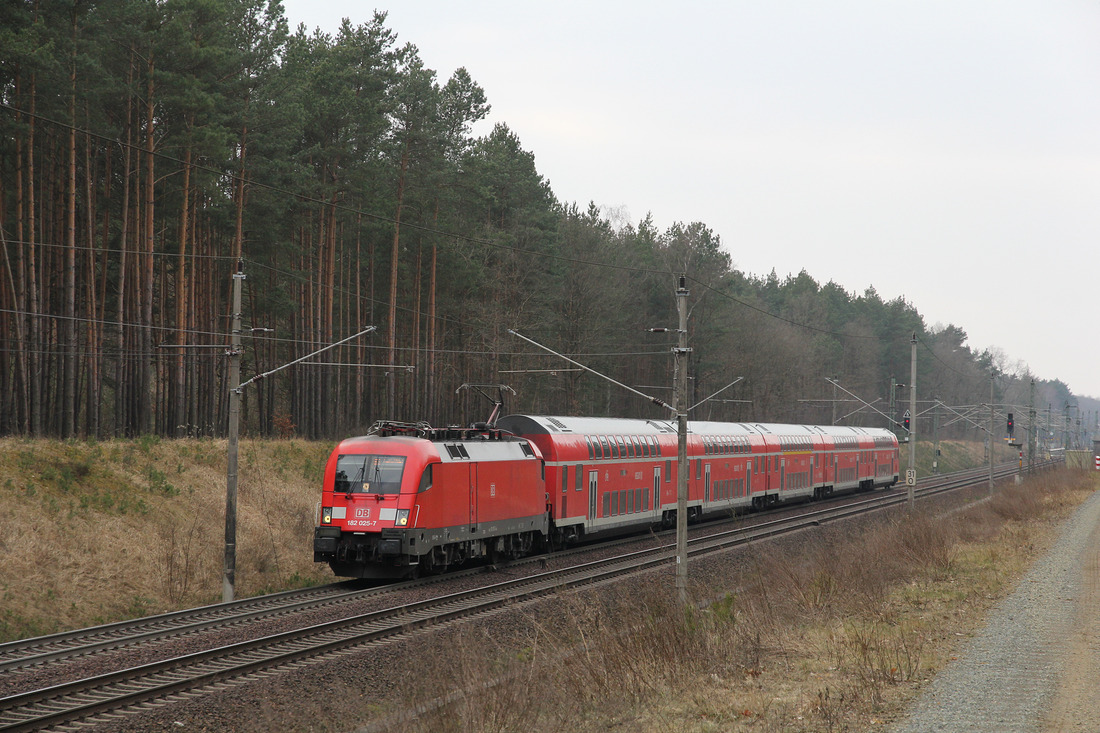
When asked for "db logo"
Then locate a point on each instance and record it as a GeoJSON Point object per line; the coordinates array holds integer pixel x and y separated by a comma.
{"type": "Point", "coordinates": [362, 513]}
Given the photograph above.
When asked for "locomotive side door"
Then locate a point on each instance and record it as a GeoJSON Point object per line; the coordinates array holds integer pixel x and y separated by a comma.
{"type": "Point", "coordinates": [473, 496]}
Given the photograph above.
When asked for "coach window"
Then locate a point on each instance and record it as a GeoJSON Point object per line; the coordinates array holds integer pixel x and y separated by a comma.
{"type": "Point", "coordinates": [604, 451]}
{"type": "Point", "coordinates": [564, 479]}
{"type": "Point", "coordinates": [668, 472]}
{"type": "Point", "coordinates": [622, 446]}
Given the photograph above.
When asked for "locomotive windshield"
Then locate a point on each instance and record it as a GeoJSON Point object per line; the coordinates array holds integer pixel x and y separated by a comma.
{"type": "Point", "coordinates": [368, 474]}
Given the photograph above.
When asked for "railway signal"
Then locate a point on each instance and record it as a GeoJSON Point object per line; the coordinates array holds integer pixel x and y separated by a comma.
{"type": "Point", "coordinates": [1011, 424]}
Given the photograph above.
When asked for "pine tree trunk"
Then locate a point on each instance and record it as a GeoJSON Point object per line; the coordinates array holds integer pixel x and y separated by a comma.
{"type": "Point", "coordinates": [21, 300]}
{"type": "Point", "coordinates": [391, 341]}
{"type": "Point", "coordinates": [178, 412]}
{"type": "Point", "coordinates": [148, 373]}
{"type": "Point", "coordinates": [34, 303]}
{"type": "Point", "coordinates": [121, 391]}
{"type": "Point", "coordinates": [92, 308]}
{"type": "Point", "coordinates": [68, 375]}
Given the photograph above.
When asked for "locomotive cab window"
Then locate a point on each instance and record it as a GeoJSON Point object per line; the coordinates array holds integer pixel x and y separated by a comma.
{"type": "Point", "coordinates": [426, 479]}
{"type": "Point", "coordinates": [368, 474]}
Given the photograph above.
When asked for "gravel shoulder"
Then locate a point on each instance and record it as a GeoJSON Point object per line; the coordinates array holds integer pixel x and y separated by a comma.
{"type": "Point", "coordinates": [1036, 665]}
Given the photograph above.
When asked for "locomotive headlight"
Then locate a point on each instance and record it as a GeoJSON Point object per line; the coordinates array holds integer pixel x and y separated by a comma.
{"type": "Point", "coordinates": [326, 515]}
{"type": "Point", "coordinates": [402, 519]}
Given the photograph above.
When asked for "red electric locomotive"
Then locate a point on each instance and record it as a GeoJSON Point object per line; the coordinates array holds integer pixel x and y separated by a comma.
{"type": "Point", "coordinates": [407, 498]}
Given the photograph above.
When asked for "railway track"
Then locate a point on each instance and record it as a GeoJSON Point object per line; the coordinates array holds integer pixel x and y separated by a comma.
{"type": "Point", "coordinates": [101, 698]}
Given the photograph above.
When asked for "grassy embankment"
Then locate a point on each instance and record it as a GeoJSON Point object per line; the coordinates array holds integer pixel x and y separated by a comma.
{"type": "Point", "coordinates": [96, 532]}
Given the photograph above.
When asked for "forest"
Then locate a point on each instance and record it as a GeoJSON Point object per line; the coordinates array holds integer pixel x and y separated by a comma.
{"type": "Point", "coordinates": [152, 148]}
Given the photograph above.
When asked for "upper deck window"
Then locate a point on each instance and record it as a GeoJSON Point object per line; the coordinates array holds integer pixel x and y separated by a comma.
{"type": "Point", "coordinates": [368, 474]}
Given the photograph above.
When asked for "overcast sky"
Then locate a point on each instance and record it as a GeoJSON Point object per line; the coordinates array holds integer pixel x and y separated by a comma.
{"type": "Point", "coordinates": [944, 151]}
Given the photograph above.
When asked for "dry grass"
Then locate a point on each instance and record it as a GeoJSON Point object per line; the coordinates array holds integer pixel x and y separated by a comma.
{"type": "Point", "coordinates": [94, 532]}
{"type": "Point", "coordinates": [834, 637]}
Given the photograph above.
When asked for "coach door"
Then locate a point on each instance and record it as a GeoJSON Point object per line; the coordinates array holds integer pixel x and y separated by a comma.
{"type": "Point", "coordinates": [706, 483]}
{"type": "Point", "coordinates": [593, 487]}
{"type": "Point", "coordinates": [657, 489]}
{"type": "Point", "coordinates": [564, 492]}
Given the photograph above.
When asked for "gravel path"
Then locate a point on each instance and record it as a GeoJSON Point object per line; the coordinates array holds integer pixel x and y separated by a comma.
{"type": "Point", "coordinates": [1036, 665]}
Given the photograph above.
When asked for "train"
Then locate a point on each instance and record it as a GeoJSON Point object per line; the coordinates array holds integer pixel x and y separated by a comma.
{"type": "Point", "coordinates": [408, 498]}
